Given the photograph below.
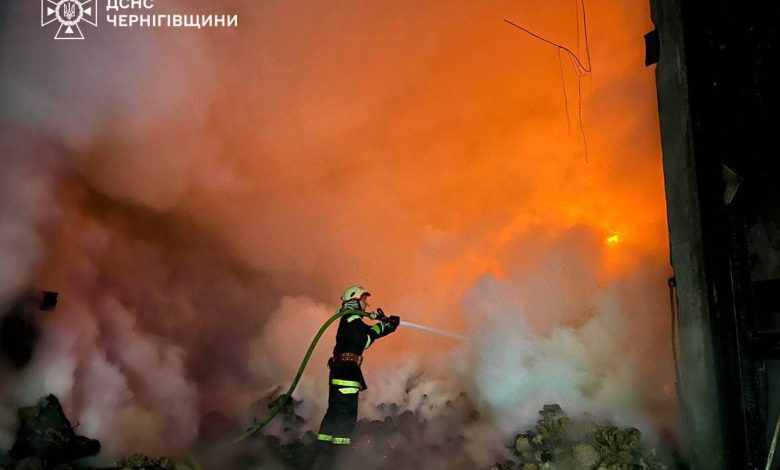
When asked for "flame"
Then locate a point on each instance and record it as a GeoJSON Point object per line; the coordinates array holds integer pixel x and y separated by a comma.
{"type": "Point", "coordinates": [613, 240]}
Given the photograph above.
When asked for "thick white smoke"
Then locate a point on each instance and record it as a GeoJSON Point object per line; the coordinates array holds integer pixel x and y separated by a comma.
{"type": "Point", "coordinates": [515, 370]}
{"type": "Point", "coordinates": [508, 369]}
{"type": "Point", "coordinates": [199, 198]}
{"type": "Point", "coordinates": [27, 206]}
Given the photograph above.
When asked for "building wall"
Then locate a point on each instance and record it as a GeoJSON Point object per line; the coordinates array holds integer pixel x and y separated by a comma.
{"type": "Point", "coordinates": [718, 102]}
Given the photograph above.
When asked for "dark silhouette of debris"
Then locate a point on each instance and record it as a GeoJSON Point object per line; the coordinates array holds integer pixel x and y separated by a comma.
{"type": "Point", "coordinates": [46, 441]}
{"type": "Point", "coordinates": [142, 462]}
{"type": "Point", "coordinates": [45, 433]}
{"type": "Point", "coordinates": [18, 331]}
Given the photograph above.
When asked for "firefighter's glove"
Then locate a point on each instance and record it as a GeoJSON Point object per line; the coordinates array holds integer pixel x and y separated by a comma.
{"type": "Point", "coordinates": [392, 322]}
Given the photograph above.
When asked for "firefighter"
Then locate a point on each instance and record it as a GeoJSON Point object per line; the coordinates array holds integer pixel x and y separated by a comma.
{"type": "Point", "coordinates": [345, 379]}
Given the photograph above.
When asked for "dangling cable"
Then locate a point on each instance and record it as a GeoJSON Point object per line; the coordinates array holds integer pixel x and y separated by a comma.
{"type": "Point", "coordinates": [585, 32]}
{"type": "Point", "coordinates": [579, 113]}
{"type": "Point", "coordinates": [563, 48]}
{"type": "Point", "coordinates": [579, 67]}
{"type": "Point", "coordinates": [577, 12]}
{"type": "Point", "coordinates": [565, 97]}
{"type": "Point", "coordinates": [673, 304]}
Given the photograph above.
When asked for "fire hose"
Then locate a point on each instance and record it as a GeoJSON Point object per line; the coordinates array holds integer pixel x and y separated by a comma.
{"type": "Point", "coordinates": [284, 399]}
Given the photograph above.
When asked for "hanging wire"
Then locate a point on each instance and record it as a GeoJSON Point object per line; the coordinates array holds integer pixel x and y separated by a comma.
{"type": "Point", "coordinates": [565, 97]}
{"type": "Point", "coordinates": [585, 31]}
{"type": "Point", "coordinates": [582, 126]}
{"type": "Point", "coordinates": [587, 45]}
{"type": "Point", "coordinates": [580, 65]}
{"type": "Point", "coordinates": [674, 309]}
{"type": "Point", "coordinates": [577, 12]}
{"type": "Point", "coordinates": [580, 69]}
{"type": "Point", "coordinates": [577, 71]}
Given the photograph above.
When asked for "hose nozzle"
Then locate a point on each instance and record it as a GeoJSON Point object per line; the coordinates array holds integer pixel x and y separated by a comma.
{"type": "Point", "coordinates": [378, 315]}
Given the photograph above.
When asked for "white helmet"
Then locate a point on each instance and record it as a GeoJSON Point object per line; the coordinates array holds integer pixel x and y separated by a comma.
{"type": "Point", "coordinates": [354, 293]}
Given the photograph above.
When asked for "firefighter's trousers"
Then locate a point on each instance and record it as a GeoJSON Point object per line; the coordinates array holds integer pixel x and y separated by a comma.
{"type": "Point", "coordinates": [341, 417]}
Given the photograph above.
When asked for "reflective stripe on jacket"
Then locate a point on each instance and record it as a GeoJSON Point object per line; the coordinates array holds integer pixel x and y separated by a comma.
{"type": "Point", "coordinates": [354, 336]}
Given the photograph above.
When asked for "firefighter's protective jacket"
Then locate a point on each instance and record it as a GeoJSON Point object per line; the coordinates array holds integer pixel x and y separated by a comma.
{"type": "Point", "coordinates": [354, 336]}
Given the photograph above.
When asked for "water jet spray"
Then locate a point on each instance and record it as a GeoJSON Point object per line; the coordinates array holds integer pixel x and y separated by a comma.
{"type": "Point", "coordinates": [429, 329]}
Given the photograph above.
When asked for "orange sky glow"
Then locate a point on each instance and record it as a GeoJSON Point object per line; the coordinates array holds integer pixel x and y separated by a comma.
{"type": "Point", "coordinates": [417, 148]}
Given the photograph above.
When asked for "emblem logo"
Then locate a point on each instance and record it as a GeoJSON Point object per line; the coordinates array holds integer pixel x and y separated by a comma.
{"type": "Point", "coordinates": [69, 13]}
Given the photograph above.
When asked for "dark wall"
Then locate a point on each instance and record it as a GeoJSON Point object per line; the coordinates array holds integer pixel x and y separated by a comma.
{"type": "Point", "coordinates": [764, 251]}
{"type": "Point", "coordinates": [718, 102]}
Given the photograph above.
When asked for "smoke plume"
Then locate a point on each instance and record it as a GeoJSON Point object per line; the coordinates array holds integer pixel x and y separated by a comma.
{"type": "Point", "coordinates": [200, 199]}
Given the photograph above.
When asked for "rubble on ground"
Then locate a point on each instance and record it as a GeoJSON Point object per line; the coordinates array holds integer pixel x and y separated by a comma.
{"type": "Point", "coordinates": [292, 445]}
{"type": "Point", "coordinates": [406, 439]}
{"type": "Point", "coordinates": [143, 462]}
{"type": "Point", "coordinates": [45, 433]}
{"type": "Point", "coordinates": [46, 440]}
{"type": "Point", "coordinates": [401, 439]}
{"type": "Point", "coordinates": [559, 442]}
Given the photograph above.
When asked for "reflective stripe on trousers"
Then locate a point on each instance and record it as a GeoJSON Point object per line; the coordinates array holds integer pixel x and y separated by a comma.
{"type": "Point", "coordinates": [345, 383]}
{"type": "Point", "coordinates": [333, 439]}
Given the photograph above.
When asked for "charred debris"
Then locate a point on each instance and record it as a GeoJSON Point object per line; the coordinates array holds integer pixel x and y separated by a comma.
{"type": "Point", "coordinates": [46, 440]}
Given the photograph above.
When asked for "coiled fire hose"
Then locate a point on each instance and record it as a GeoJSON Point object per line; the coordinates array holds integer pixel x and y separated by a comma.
{"type": "Point", "coordinates": [284, 399]}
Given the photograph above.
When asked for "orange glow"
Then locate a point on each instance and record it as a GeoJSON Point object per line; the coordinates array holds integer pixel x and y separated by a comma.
{"type": "Point", "coordinates": [613, 240]}
{"type": "Point", "coordinates": [415, 148]}
{"type": "Point", "coordinates": [415, 144]}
